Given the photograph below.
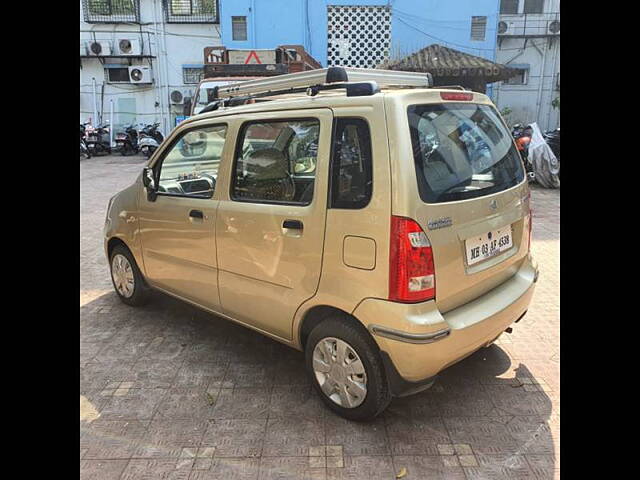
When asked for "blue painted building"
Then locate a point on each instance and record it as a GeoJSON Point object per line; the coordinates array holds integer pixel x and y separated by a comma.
{"type": "Point", "coordinates": [361, 32]}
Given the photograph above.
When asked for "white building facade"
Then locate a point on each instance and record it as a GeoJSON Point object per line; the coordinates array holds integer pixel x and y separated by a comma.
{"type": "Point", "coordinates": [529, 40]}
{"type": "Point", "coordinates": [142, 59]}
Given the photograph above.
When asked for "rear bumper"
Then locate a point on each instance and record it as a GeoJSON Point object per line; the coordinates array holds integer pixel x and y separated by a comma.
{"type": "Point", "coordinates": [420, 341]}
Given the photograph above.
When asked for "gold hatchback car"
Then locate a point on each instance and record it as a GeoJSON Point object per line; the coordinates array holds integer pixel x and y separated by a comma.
{"type": "Point", "coordinates": [375, 222]}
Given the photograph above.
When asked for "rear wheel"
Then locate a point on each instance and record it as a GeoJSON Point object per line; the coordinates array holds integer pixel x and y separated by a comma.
{"type": "Point", "coordinates": [127, 278]}
{"type": "Point", "coordinates": [346, 370]}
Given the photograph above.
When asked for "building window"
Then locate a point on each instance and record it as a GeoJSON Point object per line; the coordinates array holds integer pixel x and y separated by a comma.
{"type": "Point", "coordinates": [478, 28]}
{"type": "Point", "coordinates": [239, 28]}
{"type": "Point", "coordinates": [522, 78]}
{"type": "Point", "coordinates": [117, 74]}
{"type": "Point", "coordinates": [111, 11]}
{"type": "Point", "coordinates": [192, 74]}
{"type": "Point", "coordinates": [533, 6]}
{"type": "Point", "coordinates": [509, 7]}
{"type": "Point", "coordinates": [191, 11]}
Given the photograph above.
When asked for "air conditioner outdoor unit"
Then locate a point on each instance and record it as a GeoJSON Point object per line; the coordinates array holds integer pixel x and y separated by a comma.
{"type": "Point", "coordinates": [505, 28]}
{"type": "Point", "coordinates": [177, 97]}
{"type": "Point", "coordinates": [128, 46]}
{"type": "Point", "coordinates": [139, 74]}
{"type": "Point", "coordinates": [554, 27]}
{"type": "Point", "coordinates": [99, 49]}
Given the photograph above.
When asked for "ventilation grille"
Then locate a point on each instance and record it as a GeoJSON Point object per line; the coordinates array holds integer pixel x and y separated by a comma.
{"type": "Point", "coordinates": [358, 36]}
{"type": "Point", "coordinates": [478, 28]}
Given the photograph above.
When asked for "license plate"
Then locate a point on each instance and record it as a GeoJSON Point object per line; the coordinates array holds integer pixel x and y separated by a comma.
{"type": "Point", "coordinates": [488, 244]}
{"type": "Point", "coordinates": [121, 137]}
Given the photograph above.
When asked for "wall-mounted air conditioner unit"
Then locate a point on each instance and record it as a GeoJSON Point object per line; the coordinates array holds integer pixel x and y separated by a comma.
{"type": "Point", "coordinates": [99, 49]}
{"type": "Point", "coordinates": [128, 46]}
{"type": "Point", "coordinates": [139, 74]}
{"type": "Point", "coordinates": [505, 28]}
{"type": "Point", "coordinates": [553, 27]}
{"type": "Point", "coordinates": [179, 97]}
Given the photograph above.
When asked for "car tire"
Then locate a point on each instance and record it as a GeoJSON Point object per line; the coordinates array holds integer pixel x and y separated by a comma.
{"type": "Point", "coordinates": [136, 294]}
{"type": "Point", "coordinates": [364, 349]}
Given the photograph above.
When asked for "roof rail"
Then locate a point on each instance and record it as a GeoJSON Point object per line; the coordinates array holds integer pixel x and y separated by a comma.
{"type": "Point", "coordinates": [359, 89]}
{"type": "Point", "coordinates": [324, 76]}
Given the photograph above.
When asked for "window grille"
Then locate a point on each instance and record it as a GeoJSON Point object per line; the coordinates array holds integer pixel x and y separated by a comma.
{"type": "Point", "coordinates": [509, 7]}
{"type": "Point", "coordinates": [358, 36]}
{"type": "Point", "coordinates": [239, 28]}
{"type": "Point", "coordinates": [191, 11]}
{"type": "Point", "coordinates": [192, 75]}
{"type": "Point", "coordinates": [533, 6]}
{"type": "Point", "coordinates": [111, 11]}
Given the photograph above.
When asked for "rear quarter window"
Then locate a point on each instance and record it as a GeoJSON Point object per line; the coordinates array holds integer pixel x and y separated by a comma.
{"type": "Point", "coordinates": [461, 151]}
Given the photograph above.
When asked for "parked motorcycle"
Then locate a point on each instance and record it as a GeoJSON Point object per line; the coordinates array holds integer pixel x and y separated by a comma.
{"type": "Point", "coordinates": [84, 149]}
{"type": "Point", "coordinates": [127, 141]}
{"type": "Point", "coordinates": [97, 139]}
{"type": "Point", "coordinates": [150, 139]}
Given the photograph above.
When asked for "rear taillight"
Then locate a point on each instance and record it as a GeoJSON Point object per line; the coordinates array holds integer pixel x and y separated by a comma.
{"type": "Point", "coordinates": [412, 275]}
{"type": "Point", "coordinates": [456, 96]}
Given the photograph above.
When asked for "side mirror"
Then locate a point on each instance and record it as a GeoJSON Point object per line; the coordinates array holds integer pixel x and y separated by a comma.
{"type": "Point", "coordinates": [150, 183]}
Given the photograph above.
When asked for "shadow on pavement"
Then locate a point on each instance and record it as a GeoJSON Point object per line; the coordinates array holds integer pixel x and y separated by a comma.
{"type": "Point", "coordinates": [167, 381]}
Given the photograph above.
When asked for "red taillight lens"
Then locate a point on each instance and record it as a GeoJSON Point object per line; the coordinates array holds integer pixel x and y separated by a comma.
{"type": "Point", "coordinates": [456, 96]}
{"type": "Point", "coordinates": [412, 275]}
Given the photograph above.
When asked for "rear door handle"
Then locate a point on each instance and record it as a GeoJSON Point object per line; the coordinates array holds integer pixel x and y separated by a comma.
{"type": "Point", "coordinates": [196, 214]}
{"type": "Point", "coordinates": [292, 224]}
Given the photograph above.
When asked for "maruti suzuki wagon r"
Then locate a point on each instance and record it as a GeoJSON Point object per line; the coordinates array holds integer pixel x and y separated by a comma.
{"type": "Point", "coordinates": [377, 223]}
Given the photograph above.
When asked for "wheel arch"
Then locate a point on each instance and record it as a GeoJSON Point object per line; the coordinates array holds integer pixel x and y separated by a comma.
{"type": "Point", "coordinates": [316, 314]}
{"type": "Point", "coordinates": [111, 244]}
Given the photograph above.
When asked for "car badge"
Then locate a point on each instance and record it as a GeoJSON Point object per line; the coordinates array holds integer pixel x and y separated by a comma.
{"type": "Point", "coordinates": [493, 204]}
{"type": "Point", "coordinates": [439, 223]}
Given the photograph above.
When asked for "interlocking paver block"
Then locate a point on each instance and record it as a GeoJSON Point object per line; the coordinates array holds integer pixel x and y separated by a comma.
{"type": "Point", "coordinates": [467, 460]}
{"type": "Point", "coordinates": [170, 355]}
{"type": "Point", "coordinates": [446, 449]}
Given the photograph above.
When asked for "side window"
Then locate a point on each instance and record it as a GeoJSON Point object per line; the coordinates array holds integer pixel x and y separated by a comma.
{"type": "Point", "coordinates": [276, 162]}
{"type": "Point", "coordinates": [190, 166]}
{"type": "Point", "coordinates": [351, 176]}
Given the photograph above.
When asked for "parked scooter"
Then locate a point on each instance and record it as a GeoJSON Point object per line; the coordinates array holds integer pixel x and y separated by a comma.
{"type": "Point", "coordinates": [150, 139]}
{"type": "Point", "coordinates": [98, 139]}
{"type": "Point", "coordinates": [127, 141]}
{"type": "Point", "coordinates": [84, 149]}
{"type": "Point", "coordinates": [552, 137]}
{"type": "Point", "coordinates": [522, 136]}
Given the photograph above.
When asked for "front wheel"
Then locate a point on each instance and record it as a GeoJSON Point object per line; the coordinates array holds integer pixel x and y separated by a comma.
{"type": "Point", "coordinates": [346, 370]}
{"type": "Point", "coordinates": [127, 278]}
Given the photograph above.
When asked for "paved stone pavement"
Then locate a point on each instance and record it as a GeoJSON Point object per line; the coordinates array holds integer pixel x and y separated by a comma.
{"type": "Point", "coordinates": [168, 391]}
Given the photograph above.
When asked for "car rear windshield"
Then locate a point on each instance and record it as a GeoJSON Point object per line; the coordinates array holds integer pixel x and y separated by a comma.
{"type": "Point", "coordinates": [461, 151]}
